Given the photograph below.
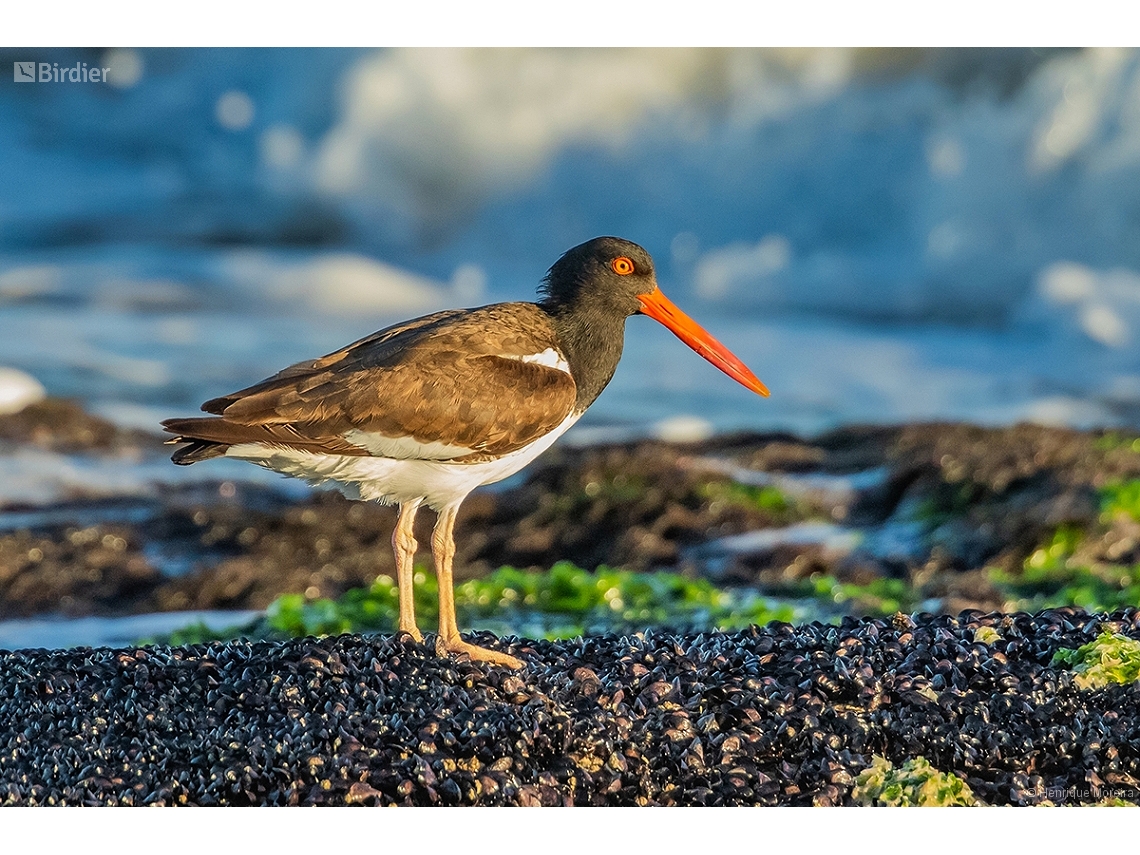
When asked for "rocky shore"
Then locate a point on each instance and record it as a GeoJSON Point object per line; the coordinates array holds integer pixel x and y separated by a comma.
{"type": "Point", "coordinates": [776, 716]}
{"type": "Point", "coordinates": [971, 523]}
{"type": "Point", "coordinates": [936, 506]}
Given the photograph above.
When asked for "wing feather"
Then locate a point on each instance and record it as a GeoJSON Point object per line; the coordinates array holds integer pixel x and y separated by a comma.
{"type": "Point", "coordinates": [447, 386]}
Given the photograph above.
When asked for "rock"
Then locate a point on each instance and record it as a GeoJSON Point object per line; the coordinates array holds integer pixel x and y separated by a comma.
{"type": "Point", "coordinates": [932, 505]}
{"type": "Point", "coordinates": [779, 715]}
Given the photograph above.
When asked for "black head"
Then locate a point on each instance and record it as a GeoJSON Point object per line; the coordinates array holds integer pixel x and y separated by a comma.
{"type": "Point", "coordinates": [606, 273]}
{"type": "Point", "coordinates": [593, 288]}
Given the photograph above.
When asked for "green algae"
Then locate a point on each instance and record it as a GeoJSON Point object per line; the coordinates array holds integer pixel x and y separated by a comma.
{"type": "Point", "coordinates": [1120, 498]}
{"type": "Point", "coordinates": [877, 598]}
{"type": "Point", "coordinates": [986, 635]}
{"type": "Point", "coordinates": [1114, 440]}
{"type": "Point", "coordinates": [914, 784]}
{"type": "Point", "coordinates": [1110, 659]}
{"type": "Point", "coordinates": [1051, 577]}
{"type": "Point", "coordinates": [564, 601]}
{"type": "Point", "coordinates": [769, 499]}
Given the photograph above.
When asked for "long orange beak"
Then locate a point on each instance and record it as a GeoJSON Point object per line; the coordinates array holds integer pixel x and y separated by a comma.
{"type": "Point", "coordinates": [661, 309]}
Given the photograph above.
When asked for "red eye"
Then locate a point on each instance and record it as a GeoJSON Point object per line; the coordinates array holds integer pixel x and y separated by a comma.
{"type": "Point", "coordinates": [622, 266]}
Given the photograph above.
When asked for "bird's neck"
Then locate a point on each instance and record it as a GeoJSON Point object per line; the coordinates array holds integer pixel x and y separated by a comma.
{"type": "Point", "coordinates": [592, 343]}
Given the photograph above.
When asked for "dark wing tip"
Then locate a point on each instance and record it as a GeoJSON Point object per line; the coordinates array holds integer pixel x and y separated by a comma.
{"type": "Point", "coordinates": [217, 406]}
{"type": "Point", "coordinates": [198, 449]}
{"type": "Point", "coordinates": [195, 449]}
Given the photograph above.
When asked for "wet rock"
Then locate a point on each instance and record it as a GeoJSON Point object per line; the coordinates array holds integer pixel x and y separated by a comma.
{"type": "Point", "coordinates": [945, 503]}
{"type": "Point", "coordinates": [73, 570]}
{"type": "Point", "coordinates": [57, 424]}
{"type": "Point", "coordinates": [780, 715]}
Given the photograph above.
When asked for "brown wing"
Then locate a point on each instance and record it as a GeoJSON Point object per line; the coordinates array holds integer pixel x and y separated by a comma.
{"type": "Point", "coordinates": [380, 349]}
{"type": "Point", "coordinates": [446, 379]}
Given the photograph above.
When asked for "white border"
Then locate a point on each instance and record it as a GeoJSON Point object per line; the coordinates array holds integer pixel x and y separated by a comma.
{"type": "Point", "coordinates": [231, 23]}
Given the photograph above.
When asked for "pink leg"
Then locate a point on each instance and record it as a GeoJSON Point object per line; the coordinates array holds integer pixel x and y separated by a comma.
{"type": "Point", "coordinates": [404, 545]}
{"type": "Point", "coordinates": [449, 642]}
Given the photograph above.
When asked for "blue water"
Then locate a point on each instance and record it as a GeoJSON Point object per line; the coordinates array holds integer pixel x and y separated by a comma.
{"type": "Point", "coordinates": [879, 239]}
{"type": "Point", "coordinates": [881, 236]}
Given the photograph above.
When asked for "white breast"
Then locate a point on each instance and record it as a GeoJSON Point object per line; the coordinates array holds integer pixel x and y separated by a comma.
{"type": "Point", "coordinates": [438, 482]}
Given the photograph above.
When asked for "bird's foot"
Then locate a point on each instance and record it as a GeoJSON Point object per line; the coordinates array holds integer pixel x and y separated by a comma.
{"type": "Point", "coordinates": [456, 646]}
{"type": "Point", "coordinates": [413, 631]}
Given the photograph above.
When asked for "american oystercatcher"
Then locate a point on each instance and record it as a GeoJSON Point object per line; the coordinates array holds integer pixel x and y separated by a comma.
{"type": "Point", "coordinates": [428, 410]}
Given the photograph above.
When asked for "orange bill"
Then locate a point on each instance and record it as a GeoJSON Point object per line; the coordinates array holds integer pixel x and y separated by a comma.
{"type": "Point", "coordinates": [661, 309]}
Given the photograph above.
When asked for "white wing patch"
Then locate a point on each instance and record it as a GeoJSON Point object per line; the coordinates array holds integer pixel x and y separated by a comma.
{"type": "Point", "coordinates": [550, 357]}
{"type": "Point", "coordinates": [403, 447]}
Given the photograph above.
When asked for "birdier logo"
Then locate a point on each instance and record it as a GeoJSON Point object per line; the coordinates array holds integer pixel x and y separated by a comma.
{"type": "Point", "coordinates": [50, 72]}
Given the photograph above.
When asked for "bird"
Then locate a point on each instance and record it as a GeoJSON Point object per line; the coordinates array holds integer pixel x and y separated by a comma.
{"type": "Point", "coordinates": [424, 411]}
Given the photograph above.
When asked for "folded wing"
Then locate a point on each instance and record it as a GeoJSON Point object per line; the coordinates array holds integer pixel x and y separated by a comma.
{"type": "Point", "coordinates": [460, 386]}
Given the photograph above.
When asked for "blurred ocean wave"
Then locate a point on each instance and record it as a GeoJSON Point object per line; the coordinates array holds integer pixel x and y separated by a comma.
{"type": "Point", "coordinates": [883, 235]}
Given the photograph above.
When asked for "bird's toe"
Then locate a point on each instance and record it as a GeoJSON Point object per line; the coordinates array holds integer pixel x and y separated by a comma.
{"type": "Point", "coordinates": [458, 647]}
{"type": "Point", "coordinates": [412, 632]}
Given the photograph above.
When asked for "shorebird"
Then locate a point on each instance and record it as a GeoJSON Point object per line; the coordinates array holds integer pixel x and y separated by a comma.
{"type": "Point", "coordinates": [425, 411]}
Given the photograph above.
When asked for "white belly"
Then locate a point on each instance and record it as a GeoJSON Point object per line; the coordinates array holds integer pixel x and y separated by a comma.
{"type": "Point", "coordinates": [438, 482]}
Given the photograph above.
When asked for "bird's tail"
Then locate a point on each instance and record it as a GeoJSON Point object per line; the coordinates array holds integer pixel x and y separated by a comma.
{"type": "Point", "coordinates": [196, 448]}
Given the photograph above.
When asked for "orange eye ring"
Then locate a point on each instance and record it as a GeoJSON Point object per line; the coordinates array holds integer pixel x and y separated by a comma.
{"type": "Point", "coordinates": [622, 266]}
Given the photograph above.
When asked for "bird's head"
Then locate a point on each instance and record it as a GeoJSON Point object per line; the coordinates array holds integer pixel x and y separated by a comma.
{"type": "Point", "coordinates": [606, 273]}
{"type": "Point", "coordinates": [616, 276]}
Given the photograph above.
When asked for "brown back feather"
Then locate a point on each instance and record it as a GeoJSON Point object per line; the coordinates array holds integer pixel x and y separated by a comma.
{"type": "Point", "coordinates": [442, 378]}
